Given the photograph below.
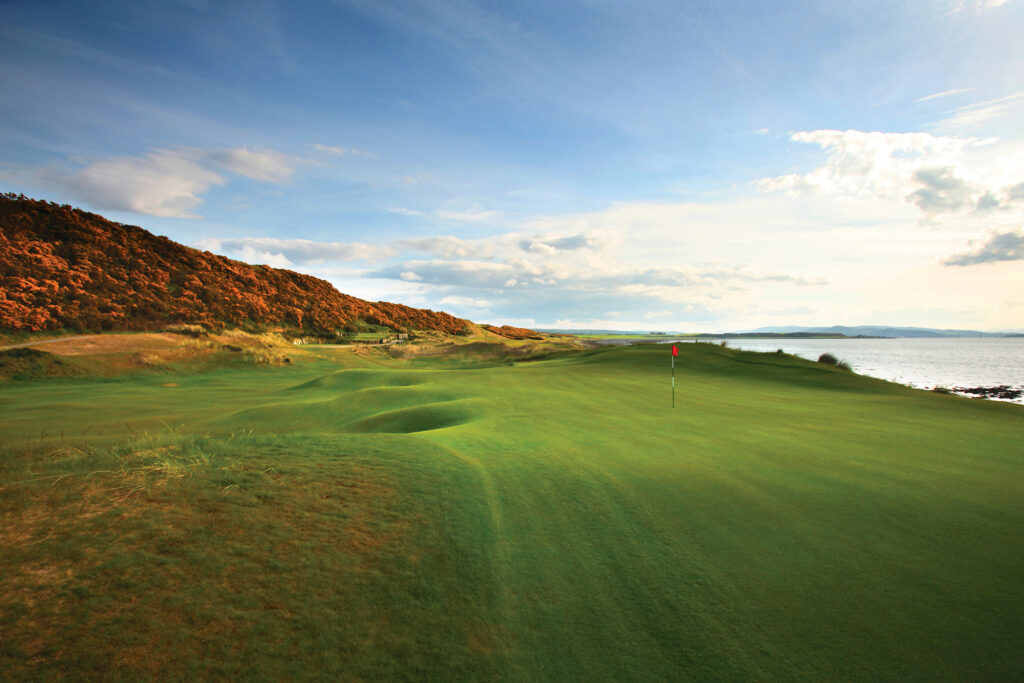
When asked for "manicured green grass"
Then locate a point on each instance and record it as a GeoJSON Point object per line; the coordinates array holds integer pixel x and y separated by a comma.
{"type": "Point", "coordinates": [547, 520]}
{"type": "Point", "coordinates": [368, 336]}
{"type": "Point", "coordinates": [628, 336]}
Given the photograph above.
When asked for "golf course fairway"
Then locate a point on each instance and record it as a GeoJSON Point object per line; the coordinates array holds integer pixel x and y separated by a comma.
{"type": "Point", "coordinates": [363, 518]}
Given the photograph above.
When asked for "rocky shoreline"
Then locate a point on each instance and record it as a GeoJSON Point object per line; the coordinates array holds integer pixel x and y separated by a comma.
{"type": "Point", "coordinates": [1003, 392]}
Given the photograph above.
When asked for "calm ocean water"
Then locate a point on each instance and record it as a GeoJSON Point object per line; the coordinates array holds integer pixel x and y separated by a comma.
{"type": "Point", "coordinates": [922, 363]}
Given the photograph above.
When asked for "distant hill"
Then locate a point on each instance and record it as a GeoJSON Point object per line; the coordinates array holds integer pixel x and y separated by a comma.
{"type": "Point", "coordinates": [794, 331]}
{"type": "Point", "coordinates": [880, 331]}
{"type": "Point", "coordinates": [63, 268]}
{"type": "Point", "coordinates": [690, 335]}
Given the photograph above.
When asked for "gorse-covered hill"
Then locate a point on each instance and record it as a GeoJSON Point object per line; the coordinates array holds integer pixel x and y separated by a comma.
{"type": "Point", "coordinates": [63, 268]}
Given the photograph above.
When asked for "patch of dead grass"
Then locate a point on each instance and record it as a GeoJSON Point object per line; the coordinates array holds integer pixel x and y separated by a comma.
{"type": "Point", "coordinates": [115, 343]}
{"type": "Point", "coordinates": [147, 509]}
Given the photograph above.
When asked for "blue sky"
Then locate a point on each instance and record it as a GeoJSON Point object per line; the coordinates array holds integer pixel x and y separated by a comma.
{"type": "Point", "coordinates": [686, 166]}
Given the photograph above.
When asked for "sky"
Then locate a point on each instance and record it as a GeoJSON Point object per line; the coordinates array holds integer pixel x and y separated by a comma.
{"type": "Point", "coordinates": [581, 164]}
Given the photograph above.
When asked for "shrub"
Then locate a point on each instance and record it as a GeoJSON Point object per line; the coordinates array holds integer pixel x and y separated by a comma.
{"type": "Point", "coordinates": [829, 359]}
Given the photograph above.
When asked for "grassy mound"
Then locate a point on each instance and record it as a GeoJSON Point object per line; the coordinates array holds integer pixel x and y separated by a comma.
{"type": "Point", "coordinates": [28, 363]}
{"type": "Point", "coordinates": [546, 520]}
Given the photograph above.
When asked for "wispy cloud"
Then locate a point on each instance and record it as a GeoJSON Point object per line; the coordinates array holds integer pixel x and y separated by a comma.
{"type": "Point", "coordinates": [466, 302]}
{"type": "Point", "coordinates": [450, 247]}
{"type": "Point", "coordinates": [341, 151]}
{"type": "Point", "coordinates": [944, 93]}
{"type": "Point", "coordinates": [330, 149]}
{"type": "Point", "coordinates": [265, 166]}
{"type": "Point", "coordinates": [552, 245]}
{"type": "Point", "coordinates": [973, 116]}
{"type": "Point", "coordinates": [160, 183]}
{"type": "Point", "coordinates": [1004, 246]}
{"type": "Point", "coordinates": [664, 282]}
{"type": "Point", "coordinates": [472, 274]}
{"type": "Point", "coordinates": [285, 253]}
{"type": "Point", "coordinates": [163, 182]}
{"type": "Point", "coordinates": [466, 216]}
{"type": "Point", "coordinates": [976, 5]}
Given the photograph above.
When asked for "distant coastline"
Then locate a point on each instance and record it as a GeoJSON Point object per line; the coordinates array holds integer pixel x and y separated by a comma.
{"type": "Point", "coordinates": [796, 332]}
{"type": "Point", "coordinates": [598, 336]}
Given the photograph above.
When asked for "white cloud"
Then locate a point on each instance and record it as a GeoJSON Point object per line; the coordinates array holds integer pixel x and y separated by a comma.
{"type": "Point", "coordinates": [160, 183]}
{"type": "Point", "coordinates": [288, 252]}
{"type": "Point", "coordinates": [274, 259]}
{"type": "Point", "coordinates": [471, 274]}
{"type": "Point", "coordinates": [163, 182]}
{"type": "Point", "coordinates": [748, 261]}
{"type": "Point", "coordinates": [942, 190]}
{"type": "Point", "coordinates": [550, 245]}
{"type": "Point", "coordinates": [515, 322]}
{"type": "Point", "coordinates": [751, 260]}
{"type": "Point", "coordinates": [265, 166]}
{"type": "Point", "coordinates": [938, 174]}
{"type": "Point", "coordinates": [1005, 246]}
{"type": "Point", "coordinates": [667, 283]}
{"type": "Point", "coordinates": [465, 302]}
{"type": "Point", "coordinates": [450, 247]}
{"type": "Point", "coordinates": [466, 216]}
{"type": "Point", "coordinates": [404, 212]}
{"type": "Point", "coordinates": [860, 164]}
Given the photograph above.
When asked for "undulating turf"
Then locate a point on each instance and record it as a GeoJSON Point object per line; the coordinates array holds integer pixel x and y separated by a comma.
{"type": "Point", "coordinates": [547, 520]}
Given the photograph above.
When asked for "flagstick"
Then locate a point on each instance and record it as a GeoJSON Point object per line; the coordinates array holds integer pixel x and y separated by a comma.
{"type": "Point", "coordinates": [673, 381]}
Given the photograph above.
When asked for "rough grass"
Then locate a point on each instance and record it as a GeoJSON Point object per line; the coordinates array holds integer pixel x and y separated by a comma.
{"type": "Point", "coordinates": [244, 558]}
{"type": "Point", "coordinates": [28, 363]}
{"type": "Point", "coordinates": [179, 349]}
{"type": "Point", "coordinates": [376, 518]}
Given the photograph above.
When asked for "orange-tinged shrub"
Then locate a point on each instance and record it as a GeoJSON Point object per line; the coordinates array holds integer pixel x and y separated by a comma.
{"type": "Point", "coordinates": [65, 268]}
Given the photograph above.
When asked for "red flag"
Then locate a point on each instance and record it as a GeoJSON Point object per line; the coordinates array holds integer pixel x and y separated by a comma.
{"type": "Point", "coordinates": [675, 351]}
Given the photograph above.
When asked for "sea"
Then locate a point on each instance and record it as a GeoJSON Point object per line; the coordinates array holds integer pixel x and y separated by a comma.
{"type": "Point", "coordinates": [924, 363]}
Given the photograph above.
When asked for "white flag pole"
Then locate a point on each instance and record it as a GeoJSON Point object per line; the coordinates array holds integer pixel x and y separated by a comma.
{"type": "Point", "coordinates": [673, 379]}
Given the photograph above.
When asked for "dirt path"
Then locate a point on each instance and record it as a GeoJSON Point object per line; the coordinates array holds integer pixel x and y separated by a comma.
{"type": "Point", "coordinates": [48, 341]}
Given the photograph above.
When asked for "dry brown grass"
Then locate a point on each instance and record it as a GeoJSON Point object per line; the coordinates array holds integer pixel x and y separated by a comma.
{"type": "Point", "coordinates": [148, 342]}
{"type": "Point", "coordinates": [115, 354]}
